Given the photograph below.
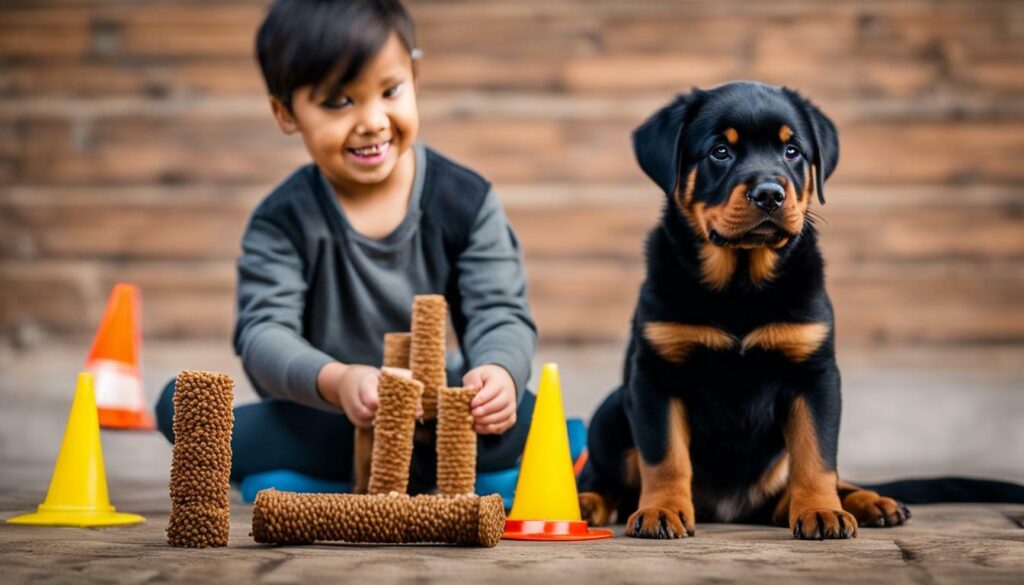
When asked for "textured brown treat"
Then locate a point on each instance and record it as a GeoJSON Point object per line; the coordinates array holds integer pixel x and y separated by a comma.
{"type": "Point", "coordinates": [396, 350]}
{"type": "Point", "coordinates": [393, 428]}
{"type": "Point", "coordinates": [361, 460]}
{"type": "Point", "coordinates": [201, 461]}
{"type": "Point", "coordinates": [290, 518]}
{"type": "Point", "coordinates": [396, 355]}
{"type": "Point", "coordinates": [198, 526]}
{"type": "Point", "coordinates": [456, 442]}
{"type": "Point", "coordinates": [426, 351]}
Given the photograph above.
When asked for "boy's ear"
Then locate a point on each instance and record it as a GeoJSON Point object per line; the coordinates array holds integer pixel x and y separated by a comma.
{"type": "Point", "coordinates": [284, 116]}
{"type": "Point", "coordinates": [656, 142]}
{"type": "Point", "coordinates": [826, 141]}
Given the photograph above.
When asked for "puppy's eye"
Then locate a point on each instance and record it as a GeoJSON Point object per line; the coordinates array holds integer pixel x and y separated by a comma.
{"type": "Point", "coordinates": [792, 152]}
{"type": "Point", "coordinates": [721, 152]}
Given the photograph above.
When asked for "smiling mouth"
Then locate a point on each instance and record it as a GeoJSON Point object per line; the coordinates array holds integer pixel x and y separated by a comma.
{"type": "Point", "coordinates": [371, 151]}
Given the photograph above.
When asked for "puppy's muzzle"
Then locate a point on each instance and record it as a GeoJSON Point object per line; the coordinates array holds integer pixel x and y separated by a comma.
{"type": "Point", "coordinates": [769, 196]}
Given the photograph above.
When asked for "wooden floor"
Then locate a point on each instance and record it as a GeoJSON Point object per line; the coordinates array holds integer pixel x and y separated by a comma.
{"type": "Point", "coordinates": [906, 413]}
{"type": "Point", "coordinates": [943, 544]}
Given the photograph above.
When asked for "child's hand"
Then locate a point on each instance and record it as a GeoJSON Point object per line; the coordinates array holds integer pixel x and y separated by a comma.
{"type": "Point", "coordinates": [494, 406]}
{"type": "Point", "coordinates": [353, 390]}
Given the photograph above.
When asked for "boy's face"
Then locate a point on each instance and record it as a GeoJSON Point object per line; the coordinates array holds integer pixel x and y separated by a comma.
{"type": "Point", "coordinates": [357, 138]}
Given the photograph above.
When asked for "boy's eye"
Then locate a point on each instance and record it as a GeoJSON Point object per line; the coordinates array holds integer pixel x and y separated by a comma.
{"type": "Point", "coordinates": [394, 90]}
{"type": "Point", "coordinates": [336, 104]}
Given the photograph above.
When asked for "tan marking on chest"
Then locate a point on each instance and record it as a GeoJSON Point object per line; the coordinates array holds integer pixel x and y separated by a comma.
{"type": "Point", "coordinates": [762, 264]}
{"type": "Point", "coordinates": [676, 341]}
{"type": "Point", "coordinates": [796, 340]}
{"type": "Point", "coordinates": [717, 265]}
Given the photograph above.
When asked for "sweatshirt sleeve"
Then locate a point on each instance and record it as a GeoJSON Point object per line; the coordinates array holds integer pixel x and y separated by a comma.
{"type": "Point", "coordinates": [492, 282]}
{"type": "Point", "coordinates": [268, 332]}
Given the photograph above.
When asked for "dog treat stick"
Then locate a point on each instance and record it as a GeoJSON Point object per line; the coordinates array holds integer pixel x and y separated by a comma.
{"type": "Point", "coordinates": [290, 518]}
{"type": "Point", "coordinates": [362, 459]}
{"type": "Point", "coordinates": [456, 442]}
{"type": "Point", "coordinates": [392, 433]}
{"type": "Point", "coordinates": [201, 461]}
{"type": "Point", "coordinates": [396, 350]}
{"type": "Point", "coordinates": [426, 352]}
{"type": "Point", "coordinates": [396, 355]}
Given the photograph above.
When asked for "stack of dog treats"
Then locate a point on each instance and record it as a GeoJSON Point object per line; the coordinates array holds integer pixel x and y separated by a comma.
{"type": "Point", "coordinates": [387, 514]}
{"type": "Point", "coordinates": [201, 463]}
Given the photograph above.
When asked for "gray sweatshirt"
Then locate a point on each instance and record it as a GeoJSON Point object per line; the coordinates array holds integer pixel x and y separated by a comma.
{"type": "Point", "coordinates": [312, 290]}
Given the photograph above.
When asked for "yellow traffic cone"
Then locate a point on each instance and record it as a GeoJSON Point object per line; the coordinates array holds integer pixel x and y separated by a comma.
{"type": "Point", "coordinates": [546, 506]}
{"type": "Point", "coordinates": [78, 488]}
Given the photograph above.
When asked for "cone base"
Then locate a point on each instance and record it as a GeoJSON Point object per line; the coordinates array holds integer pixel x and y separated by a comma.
{"type": "Point", "coordinates": [77, 519]}
{"type": "Point", "coordinates": [125, 420]}
{"type": "Point", "coordinates": [557, 530]}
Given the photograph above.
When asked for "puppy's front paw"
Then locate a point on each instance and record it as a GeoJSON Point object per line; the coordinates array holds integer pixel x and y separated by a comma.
{"type": "Point", "coordinates": [871, 509]}
{"type": "Point", "coordinates": [655, 522]}
{"type": "Point", "coordinates": [821, 523]}
{"type": "Point", "coordinates": [595, 508]}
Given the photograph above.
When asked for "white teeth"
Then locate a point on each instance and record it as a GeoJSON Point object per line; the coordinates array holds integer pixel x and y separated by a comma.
{"type": "Point", "coordinates": [370, 150]}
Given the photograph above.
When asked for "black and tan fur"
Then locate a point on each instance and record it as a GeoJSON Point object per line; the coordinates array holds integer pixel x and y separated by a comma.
{"type": "Point", "coordinates": [730, 399]}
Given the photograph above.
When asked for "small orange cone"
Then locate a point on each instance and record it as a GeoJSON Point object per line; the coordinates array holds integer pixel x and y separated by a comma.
{"type": "Point", "coordinates": [114, 360]}
{"type": "Point", "coordinates": [546, 506]}
{"type": "Point", "coordinates": [78, 489]}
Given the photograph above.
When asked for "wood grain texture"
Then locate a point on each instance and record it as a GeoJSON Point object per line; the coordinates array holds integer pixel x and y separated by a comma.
{"type": "Point", "coordinates": [135, 138]}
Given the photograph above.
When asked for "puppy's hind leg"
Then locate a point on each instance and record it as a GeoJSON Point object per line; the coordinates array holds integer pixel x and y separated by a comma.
{"type": "Point", "coordinates": [604, 476]}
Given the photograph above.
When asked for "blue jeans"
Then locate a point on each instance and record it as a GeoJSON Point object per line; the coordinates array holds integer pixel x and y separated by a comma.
{"type": "Point", "coordinates": [277, 434]}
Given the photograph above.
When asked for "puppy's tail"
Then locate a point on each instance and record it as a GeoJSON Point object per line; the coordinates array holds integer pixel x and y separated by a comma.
{"type": "Point", "coordinates": [951, 490]}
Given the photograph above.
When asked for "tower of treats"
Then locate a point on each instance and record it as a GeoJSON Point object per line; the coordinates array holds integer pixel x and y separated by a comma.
{"type": "Point", "coordinates": [456, 442]}
{"type": "Point", "coordinates": [388, 515]}
{"type": "Point", "coordinates": [201, 461]}
{"type": "Point", "coordinates": [394, 426]}
{"type": "Point", "coordinates": [426, 351]}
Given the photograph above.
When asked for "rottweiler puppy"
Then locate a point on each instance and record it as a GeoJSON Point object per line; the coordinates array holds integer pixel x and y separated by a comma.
{"type": "Point", "coordinates": [729, 405]}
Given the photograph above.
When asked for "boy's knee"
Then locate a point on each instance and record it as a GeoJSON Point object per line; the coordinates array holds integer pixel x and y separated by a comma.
{"type": "Point", "coordinates": [165, 411]}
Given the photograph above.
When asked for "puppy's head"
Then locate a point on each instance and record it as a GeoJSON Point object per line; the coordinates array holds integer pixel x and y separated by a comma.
{"type": "Point", "coordinates": [741, 161]}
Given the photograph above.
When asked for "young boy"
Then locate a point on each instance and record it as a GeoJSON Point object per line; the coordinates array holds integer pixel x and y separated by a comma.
{"type": "Point", "coordinates": [332, 258]}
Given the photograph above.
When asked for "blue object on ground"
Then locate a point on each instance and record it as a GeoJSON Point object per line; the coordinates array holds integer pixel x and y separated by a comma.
{"type": "Point", "coordinates": [289, 481]}
{"type": "Point", "coordinates": [501, 482]}
{"type": "Point", "coordinates": [577, 437]}
{"type": "Point", "coordinates": [498, 482]}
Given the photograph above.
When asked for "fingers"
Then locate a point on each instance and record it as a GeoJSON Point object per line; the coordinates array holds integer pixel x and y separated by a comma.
{"type": "Point", "coordinates": [368, 394]}
{"type": "Point", "coordinates": [473, 379]}
{"type": "Point", "coordinates": [360, 415]}
{"type": "Point", "coordinates": [496, 428]}
{"type": "Point", "coordinates": [362, 410]}
{"type": "Point", "coordinates": [485, 402]}
{"type": "Point", "coordinates": [496, 417]}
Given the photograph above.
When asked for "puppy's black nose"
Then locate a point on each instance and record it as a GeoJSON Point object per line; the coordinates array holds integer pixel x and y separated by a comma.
{"type": "Point", "coordinates": [768, 196]}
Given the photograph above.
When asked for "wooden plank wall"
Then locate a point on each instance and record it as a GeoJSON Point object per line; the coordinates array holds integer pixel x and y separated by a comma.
{"type": "Point", "coordinates": [135, 138]}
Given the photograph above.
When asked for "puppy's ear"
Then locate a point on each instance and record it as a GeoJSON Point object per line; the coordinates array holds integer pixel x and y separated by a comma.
{"type": "Point", "coordinates": [826, 140]}
{"type": "Point", "coordinates": [656, 142]}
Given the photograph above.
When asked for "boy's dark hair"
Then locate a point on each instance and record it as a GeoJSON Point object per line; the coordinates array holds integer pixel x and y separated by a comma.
{"type": "Point", "coordinates": [325, 43]}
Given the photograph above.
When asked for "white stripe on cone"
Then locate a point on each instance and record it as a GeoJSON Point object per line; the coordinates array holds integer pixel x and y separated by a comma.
{"type": "Point", "coordinates": [117, 386]}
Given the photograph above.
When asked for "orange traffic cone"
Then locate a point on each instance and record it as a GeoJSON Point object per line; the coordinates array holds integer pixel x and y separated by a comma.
{"type": "Point", "coordinates": [114, 361]}
{"type": "Point", "coordinates": [546, 506]}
